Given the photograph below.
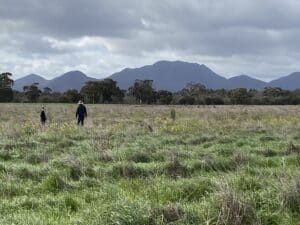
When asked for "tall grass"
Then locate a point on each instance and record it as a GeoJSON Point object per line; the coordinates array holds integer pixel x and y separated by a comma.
{"type": "Point", "coordinates": [150, 165]}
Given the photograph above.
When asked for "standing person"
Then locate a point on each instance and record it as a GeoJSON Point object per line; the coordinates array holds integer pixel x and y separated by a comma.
{"type": "Point", "coordinates": [43, 116]}
{"type": "Point", "coordinates": [81, 113]}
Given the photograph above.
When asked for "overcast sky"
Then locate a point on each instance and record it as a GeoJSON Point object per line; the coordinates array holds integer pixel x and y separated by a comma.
{"type": "Point", "coordinates": [99, 37]}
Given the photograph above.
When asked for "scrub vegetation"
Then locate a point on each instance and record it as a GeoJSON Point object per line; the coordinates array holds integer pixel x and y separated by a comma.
{"type": "Point", "coordinates": [148, 165]}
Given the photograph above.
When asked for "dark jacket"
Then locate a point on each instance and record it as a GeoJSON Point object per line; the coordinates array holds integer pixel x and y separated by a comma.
{"type": "Point", "coordinates": [43, 116]}
{"type": "Point", "coordinates": [81, 111]}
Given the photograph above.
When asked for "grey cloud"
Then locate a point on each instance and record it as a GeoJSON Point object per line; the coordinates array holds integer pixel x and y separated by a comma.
{"type": "Point", "coordinates": [232, 36]}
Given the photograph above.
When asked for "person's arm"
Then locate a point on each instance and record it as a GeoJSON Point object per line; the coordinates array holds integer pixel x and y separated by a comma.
{"type": "Point", "coordinates": [76, 113]}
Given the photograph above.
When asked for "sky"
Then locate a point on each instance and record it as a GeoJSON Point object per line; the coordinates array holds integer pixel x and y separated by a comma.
{"type": "Point", "coordinates": [100, 37]}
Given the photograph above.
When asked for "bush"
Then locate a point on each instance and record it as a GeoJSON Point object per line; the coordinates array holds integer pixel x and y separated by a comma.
{"type": "Point", "coordinates": [140, 157]}
{"type": "Point", "coordinates": [71, 204]}
{"type": "Point", "coordinates": [173, 114]}
{"type": "Point", "coordinates": [2, 168]}
{"type": "Point", "coordinates": [75, 172]}
{"type": "Point", "coordinates": [172, 213]}
{"type": "Point", "coordinates": [37, 158]}
{"type": "Point", "coordinates": [209, 164]}
{"type": "Point", "coordinates": [24, 173]}
{"type": "Point", "coordinates": [187, 190]}
{"type": "Point", "coordinates": [174, 169]}
{"type": "Point", "coordinates": [54, 183]}
{"type": "Point", "coordinates": [128, 170]}
{"type": "Point", "coordinates": [125, 212]}
{"type": "Point", "coordinates": [90, 172]}
{"type": "Point", "coordinates": [291, 197]}
{"type": "Point", "coordinates": [292, 148]}
{"type": "Point", "coordinates": [235, 211]}
{"type": "Point", "coordinates": [5, 155]}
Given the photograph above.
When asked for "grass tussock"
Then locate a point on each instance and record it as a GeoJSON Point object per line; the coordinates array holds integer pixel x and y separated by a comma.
{"type": "Point", "coordinates": [236, 211]}
{"type": "Point", "coordinates": [291, 197]}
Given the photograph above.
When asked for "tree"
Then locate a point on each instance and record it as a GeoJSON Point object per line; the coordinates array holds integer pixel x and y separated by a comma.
{"type": "Point", "coordinates": [109, 91]}
{"type": "Point", "coordinates": [240, 96]}
{"type": "Point", "coordinates": [47, 91]}
{"type": "Point", "coordinates": [164, 97]}
{"type": "Point", "coordinates": [91, 91]}
{"type": "Point", "coordinates": [104, 91]}
{"type": "Point", "coordinates": [72, 95]}
{"type": "Point", "coordinates": [143, 91]}
{"type": "Point", "coordinates": [6, 83]}
{"type": "Point", "coordinates": [32, 92]}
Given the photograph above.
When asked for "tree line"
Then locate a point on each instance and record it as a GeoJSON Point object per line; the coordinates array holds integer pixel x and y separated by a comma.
{"type": "Point", "coordinates": [142, 92]}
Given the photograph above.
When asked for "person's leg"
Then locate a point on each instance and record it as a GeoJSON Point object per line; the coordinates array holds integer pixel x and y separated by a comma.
{"type": "Point", "coordinates": [78, 121]}
{"type": "Point", "coordinates": [82, 121]}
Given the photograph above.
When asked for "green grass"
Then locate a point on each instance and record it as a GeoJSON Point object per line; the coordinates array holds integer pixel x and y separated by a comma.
{"type": "Point", "coordinates": [225, 165]}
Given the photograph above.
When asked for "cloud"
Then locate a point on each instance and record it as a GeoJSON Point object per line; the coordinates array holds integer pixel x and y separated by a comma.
{"type": "Point", "coordinates": [100, 37]}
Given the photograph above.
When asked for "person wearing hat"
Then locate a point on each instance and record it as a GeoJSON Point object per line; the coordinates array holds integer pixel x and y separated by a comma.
{"type": "Point", "coordinates": [81, 113]}
{"type": "Point", "coordinates": [43, 116]}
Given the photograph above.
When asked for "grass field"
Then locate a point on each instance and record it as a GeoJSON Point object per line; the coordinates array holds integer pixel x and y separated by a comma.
{"type": "Point", "coordinates": [135, 165]}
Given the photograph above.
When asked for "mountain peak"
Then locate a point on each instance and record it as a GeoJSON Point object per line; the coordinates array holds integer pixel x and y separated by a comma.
{"type": "Point", "coordinates": [171, 75]}
{"type": "Point", "coordinates": [75, 73]}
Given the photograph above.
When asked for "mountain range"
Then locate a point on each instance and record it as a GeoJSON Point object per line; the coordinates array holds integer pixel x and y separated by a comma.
{"type": "Point", "coordinates": [168, 75]}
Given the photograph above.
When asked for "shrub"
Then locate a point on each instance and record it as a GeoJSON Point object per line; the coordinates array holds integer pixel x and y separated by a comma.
{"type": "Point", "coordinates": [209, 164]}
{"type": "Point", "coordinates": [173, 114]}
{"type": "Point", "coordinates": [292, 148]}
{"type": "Point", "coordinates": [2, 168]}
{"type": "Point", "coordinates": [236, 211]}
{"type": "Point", "coordinates": [172, 213]}
{"type": "Point", "coordinates": [30, 204]}
{"type": "Point", "coordinates": [291, 198]}
{"type": "Point", "coordinates": [5, 155]}
{"type": "Point", "coordinates": [71, 204]}
{"type": "Point", "coordinates": [175, 169]}
{"type": "Point", "coordinates": [106, 156]}
{"type": "Point", "coordinates": [24, 173]}
{"type": "Point", "coordinates": [10, 190]}
{"type": "Point", "coordinates": [269, 153]}
{"type": "Point", "coordinates": [239, 158]}
{"type": "Point", "coordinates": [187, 190]}
{"type": "Point", "coordinates": [90, 172]}
{"type": "Point", "coordinates": [54, 183]}
{"type": "Point", "coordinates": [75, 172]}
{"type": "Point", "coordinates": [128, 170]}
{"type": "Point", "coordinates": [37, 158]}
{"type": "Point", "coordinates": [140, 157]}
{"type": "Point", "coordinates": [125, 212]}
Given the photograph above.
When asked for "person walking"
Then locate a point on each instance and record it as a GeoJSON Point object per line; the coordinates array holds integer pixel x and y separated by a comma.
{"type": "Point", "coordinates": [81, 113]}
{"type": "Point", "coordinates": [43, 116]}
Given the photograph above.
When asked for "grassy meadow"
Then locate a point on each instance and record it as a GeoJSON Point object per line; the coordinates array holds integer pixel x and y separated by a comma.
{"type": "Point", "coordinates": [147, 165]}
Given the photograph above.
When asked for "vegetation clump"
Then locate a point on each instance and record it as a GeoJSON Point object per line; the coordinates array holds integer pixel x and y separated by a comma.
{"type": "Point", "coordinates": [291, 197]}
{"type": "Point", "coordinates": [54, 183]}
{"type": "Point", "coordinates": [236, 211]}
{"type": "Point", "coordinates": [175, 169]}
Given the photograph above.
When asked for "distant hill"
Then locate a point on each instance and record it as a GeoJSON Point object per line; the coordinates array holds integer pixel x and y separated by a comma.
{"type": "Point", "coordinates": [168, 75]}
{"type": "Point", "coordinates": [171, 76]}
{"type": "Point", "coordinates": [289, 82]}
{"type": "Point", "coordinates": [70, 80]}
{"type": "Point", "coordinates": [244, 81]}
{"type": "Point", "coordinates": [27, 80]}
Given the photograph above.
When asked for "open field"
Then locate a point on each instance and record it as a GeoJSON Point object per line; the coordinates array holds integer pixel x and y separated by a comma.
{"type": "Point", "coordinates": [135, 165]}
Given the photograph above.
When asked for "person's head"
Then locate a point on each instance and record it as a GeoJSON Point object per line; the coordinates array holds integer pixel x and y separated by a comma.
{"type": "Point", "coordinates": [80, 102]}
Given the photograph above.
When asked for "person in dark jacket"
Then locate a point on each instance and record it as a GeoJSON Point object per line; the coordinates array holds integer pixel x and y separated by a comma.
{"type": "Point", "coordinates": [81, 113]}
{"type": "Point", "coordinates": [43, 116]}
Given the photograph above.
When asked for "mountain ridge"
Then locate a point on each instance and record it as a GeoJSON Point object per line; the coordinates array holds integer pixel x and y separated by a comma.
{"type": "Point", "coordinates": [168, 75]}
